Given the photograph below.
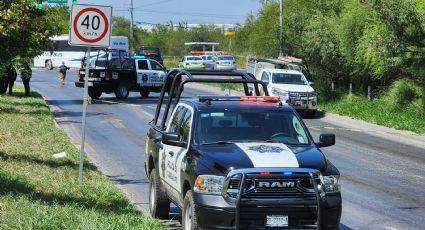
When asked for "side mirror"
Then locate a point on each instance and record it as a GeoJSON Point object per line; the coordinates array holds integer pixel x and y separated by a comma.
{"type": "Point", "coordinates": [326, 140]}
{"type": "Point", "coordinates": [173, 139]}
{"type": "Point", "coordinates": [311, 83]}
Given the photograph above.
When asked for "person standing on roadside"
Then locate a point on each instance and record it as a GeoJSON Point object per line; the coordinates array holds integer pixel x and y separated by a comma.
{"type": "Point", "coordinates": [11, 78]}
{"type": "Point", "coordinates": [3, 76]}
{"type": "Point", "coordinates": [62, 72]}
{"type": "Point", "coordinates": [26, 74]}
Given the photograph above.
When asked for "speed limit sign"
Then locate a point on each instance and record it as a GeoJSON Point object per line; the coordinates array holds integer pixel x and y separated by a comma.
{"type": "Point", "coordinates": [90, 25]}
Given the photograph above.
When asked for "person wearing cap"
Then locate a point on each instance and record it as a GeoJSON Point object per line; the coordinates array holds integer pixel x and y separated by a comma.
{"type": "Point", "coordinates": [26, 74]}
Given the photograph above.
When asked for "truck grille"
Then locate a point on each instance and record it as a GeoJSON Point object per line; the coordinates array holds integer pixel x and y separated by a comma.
{"type": "Point", "coordinates": [273, 186]}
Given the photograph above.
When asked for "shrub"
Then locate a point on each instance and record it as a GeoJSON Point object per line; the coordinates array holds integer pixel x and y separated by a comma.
{"type": "Point", "coordinates": [402, 93]}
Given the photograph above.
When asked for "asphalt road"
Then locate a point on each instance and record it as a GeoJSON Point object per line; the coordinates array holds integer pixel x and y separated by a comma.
{"type": "Point", "coordinates": [383, 173]}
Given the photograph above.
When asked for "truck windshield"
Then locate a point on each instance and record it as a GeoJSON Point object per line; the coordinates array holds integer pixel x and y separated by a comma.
{"type": "Point", "coordinates": [225, 58]}
{"type": "Point", "coordinates": [194, 59]}
{"type": "Point", "coordinates": [286, 78]}
{"type": "Point", "coordinates": [249, 126]}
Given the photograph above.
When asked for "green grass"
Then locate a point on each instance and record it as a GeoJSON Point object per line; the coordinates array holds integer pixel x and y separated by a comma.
{"type": "Point", "coordinates": [171, 62]}
{"type": "Point", "coordinates": [379, 111]}
{"type": "Point", "coordinates": [40, 192]}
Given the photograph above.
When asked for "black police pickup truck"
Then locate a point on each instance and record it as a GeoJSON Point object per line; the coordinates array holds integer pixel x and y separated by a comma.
{"type": "Point", "coordinates": [244, 162]}
{"type": "Point", "coordinates": [120, 75]}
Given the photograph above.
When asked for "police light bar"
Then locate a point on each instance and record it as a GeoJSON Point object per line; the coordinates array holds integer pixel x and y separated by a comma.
{"type": "Point", "coordinates": [139, 57]}
{"type": "Point", "coordinates": [242, 98]}
{"type": "Point", "coordinates": [260, 98]}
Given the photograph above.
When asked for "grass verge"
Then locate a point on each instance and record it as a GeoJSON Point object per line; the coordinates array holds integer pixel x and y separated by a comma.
{"type": "Point", "coordinates": [40, 192]}
{"type": "Point", "coordinates": [378, 111]}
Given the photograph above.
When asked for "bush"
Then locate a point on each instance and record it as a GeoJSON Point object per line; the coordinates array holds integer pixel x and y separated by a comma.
{"type": "Point", "coordinates": [325, 93]}
{"type": "Point", "coordinates": [403, 93]}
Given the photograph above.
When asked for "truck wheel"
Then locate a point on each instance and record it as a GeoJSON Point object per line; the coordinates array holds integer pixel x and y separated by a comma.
{"type": "Point", "coordinates": [159, 204]}
{"type": "Point", "coordinates": [122, 92]}
{"type": "Point", "coordinates": [95, 93]}
{"type": "Point", "coordinates": [48, 65]}
{"type": "Point", "coordinates": [189, 221]}
{"type": "Point", "coordinates": [144, 94]}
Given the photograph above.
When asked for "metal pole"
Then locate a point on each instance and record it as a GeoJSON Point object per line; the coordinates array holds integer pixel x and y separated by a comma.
{"type": "Point", "coordinates": [369, 90]}
{"type": "Point", "coordinates": [230, 44]}
{"type": "Point", "coordinates": [131, 20]}
{"type": "Point", "coordinates": [83, 127]}
{"type": "Point", "coordinates": [280, 27]}
{"type": "Point", "coordinates": [350, 90]}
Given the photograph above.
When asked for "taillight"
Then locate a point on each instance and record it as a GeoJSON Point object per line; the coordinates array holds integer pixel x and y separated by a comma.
{"type": "Point", "coordinates": [107, 76]}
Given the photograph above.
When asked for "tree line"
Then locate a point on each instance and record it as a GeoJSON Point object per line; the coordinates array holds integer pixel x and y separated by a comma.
{"type": "Point", "coordinates": [365, 42]}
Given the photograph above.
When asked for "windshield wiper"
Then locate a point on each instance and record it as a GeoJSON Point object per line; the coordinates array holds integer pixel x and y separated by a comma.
{"type": "Point", "coordinates": [218, 143]}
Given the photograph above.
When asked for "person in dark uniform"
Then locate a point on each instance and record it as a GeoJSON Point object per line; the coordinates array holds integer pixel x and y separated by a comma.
{"type": "Point", "coordinates": [3, 76]}
{"type": "Point", "coordinates": [62, 72]}
{"type": "Point", "coordinates": [26, 74]}
{"type": "Point", "coordinates": [10, 78]}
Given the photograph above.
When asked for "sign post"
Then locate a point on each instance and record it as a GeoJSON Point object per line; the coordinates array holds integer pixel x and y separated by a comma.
{"type": "Point", "coordinates": [90, 27]}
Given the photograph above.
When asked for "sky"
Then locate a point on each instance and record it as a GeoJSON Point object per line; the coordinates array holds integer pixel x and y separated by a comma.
{"type": "Point", "coordinates": [190, 11]}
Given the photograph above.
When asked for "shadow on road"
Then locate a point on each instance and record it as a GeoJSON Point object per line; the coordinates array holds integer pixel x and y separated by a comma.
{"type": "Point", "coordinates": [121, 181]}
{"type": "Point", "coordinates": [344, 227]}
{"type": "Point", "coordinates": [130, 101]}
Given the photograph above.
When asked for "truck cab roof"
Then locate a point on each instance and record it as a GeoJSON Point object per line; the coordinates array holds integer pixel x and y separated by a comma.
{"type": "Point", "coordinates": [288, 71]}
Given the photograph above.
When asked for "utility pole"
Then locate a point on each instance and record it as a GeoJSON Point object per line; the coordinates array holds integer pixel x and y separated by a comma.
{"type": "Point", "coordinates": [280, 27]}
{"type": "Point", "coordinates": [131, 21]}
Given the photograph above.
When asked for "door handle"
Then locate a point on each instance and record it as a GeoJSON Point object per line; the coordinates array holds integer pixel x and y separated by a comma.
{"type": "Point", "coordinates": [171, 153]}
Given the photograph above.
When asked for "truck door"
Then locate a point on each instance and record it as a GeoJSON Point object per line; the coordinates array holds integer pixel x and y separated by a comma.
{"type": "Point", "coordinates": [266, 79]}
{"type": "Point", "coordinates": [172, 158]}
{"type": "Point", "coordinates": [158, 73]}
{"type": "Point", "coordinates": [143, 72]}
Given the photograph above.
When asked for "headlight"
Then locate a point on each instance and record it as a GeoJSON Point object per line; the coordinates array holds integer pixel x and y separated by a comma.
{"type": "Point", "coordinates": [209, 184]}
{"type": "Point", "coordinates": [330, 183]}
{"type": "Point", "coordinates": [313, 94]}
{"type": "Point", "coordinates": [281, 93]}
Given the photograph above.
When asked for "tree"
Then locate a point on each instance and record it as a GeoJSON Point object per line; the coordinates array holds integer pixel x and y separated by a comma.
{"type": "Point", "coordinates": [25, 30]}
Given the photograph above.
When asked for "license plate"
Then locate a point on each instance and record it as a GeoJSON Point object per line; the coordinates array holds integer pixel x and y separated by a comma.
{"type": "Point", "coordinates": [299, 103]}
{"type": "Point", "coordinates": [277, 221]}
{"type": "Point", "coordinates": [90, 84]}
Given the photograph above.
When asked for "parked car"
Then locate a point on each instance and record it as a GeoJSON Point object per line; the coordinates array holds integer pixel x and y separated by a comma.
{"type": "Point", "coordinates": [225, 62]}
{"type": "Point", "coordinates": [209, 61]}
{"type": "Point", "coordinates": [192, 63]}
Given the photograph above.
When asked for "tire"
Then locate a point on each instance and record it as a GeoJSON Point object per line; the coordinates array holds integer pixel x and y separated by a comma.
{"type": "Point", "coordinates": [159, 204]}
{"type": "Point", "coordinates": [48, 65]}
{"type": "Point", "coordinates": [122, 92]}
{"type": "Point", "coordinates": [189, 221]}
{"type": "Point", "coordinates": [144, 94]}
{"type": "Point", "coordinates": [95, 93]}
